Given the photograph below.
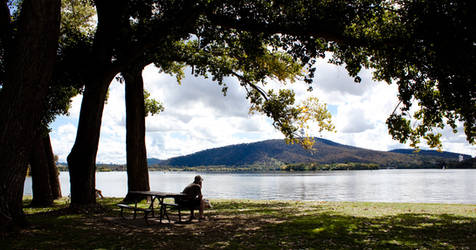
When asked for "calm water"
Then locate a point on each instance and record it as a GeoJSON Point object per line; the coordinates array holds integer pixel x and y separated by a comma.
{"type": "Point", "coordinates": [439, 186]}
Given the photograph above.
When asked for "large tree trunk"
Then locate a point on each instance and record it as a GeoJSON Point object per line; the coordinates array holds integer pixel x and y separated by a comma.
{"type": "Point", "coordinates": [45, 179]}
{"type": "Point", "coordinates": [30, 65]}
{"type": "Point", "coordinates": [82, 159]}
{"type": "Point", "coordinates": [137, 171]}
{"type": "Point", "coordinates": [40, 175]}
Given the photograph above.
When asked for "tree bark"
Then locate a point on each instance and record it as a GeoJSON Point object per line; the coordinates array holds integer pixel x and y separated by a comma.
{"type": "Point", "coordinates": [137, 171]}
{"type": "Point", "coordinates": [30, 64]}
{"type": "Point", "coordinates": [42, 195]}
{"type": "Point", "coordinates": [53, 172]}
{"type": "Point", "coordinates": [45, 179]}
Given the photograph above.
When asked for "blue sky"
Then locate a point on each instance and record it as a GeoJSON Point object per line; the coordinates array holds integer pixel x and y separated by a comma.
{"type": "Point", "coordinates": [197, 116]}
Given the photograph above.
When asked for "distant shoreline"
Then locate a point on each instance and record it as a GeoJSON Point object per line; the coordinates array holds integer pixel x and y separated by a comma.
{"type": "Point", "coordinates": [256, 169]}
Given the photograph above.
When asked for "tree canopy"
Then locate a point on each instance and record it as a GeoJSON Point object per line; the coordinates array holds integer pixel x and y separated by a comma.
{"type": "Point", "coordinates": [425, 47]}
{"type": "Point", "coordinates": [405, 42]}
{"type": "Point", "coordinates": [428, 49]}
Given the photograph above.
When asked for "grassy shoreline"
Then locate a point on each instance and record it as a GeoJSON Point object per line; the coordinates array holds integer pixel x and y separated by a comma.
{"type": "Point", "coordinates": [240, 224]}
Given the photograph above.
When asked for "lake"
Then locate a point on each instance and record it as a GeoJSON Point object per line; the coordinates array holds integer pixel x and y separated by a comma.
{"type": "Point", "coordinates": [416, 185]}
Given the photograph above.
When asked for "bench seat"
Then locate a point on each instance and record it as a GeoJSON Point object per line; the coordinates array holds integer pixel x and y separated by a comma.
{"type": "Point", "coordinates": [179, 208]}
{"type": "Point", "coordinates": [133, 206]}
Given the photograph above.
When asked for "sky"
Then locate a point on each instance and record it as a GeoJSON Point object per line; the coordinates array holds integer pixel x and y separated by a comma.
{"type": "Point", "coordinates": [197, 116]}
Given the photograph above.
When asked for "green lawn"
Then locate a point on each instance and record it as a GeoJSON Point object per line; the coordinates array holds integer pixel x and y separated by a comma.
{"type": "Point", "coordinates": [244, 224]}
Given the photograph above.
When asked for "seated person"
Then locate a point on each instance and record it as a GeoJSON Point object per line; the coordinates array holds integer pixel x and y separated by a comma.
{"type": "Point", "coordinates": [193, 200]}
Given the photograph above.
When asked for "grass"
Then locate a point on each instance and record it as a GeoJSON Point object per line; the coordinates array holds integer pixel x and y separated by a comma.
{"type": "Point", "coordinates": [245, 224]}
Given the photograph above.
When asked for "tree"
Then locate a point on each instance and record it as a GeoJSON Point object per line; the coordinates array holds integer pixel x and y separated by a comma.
{"type": "Point", "coordinates": [433, 67]}
{"type": "Point", "coordinates": [95, 90]}
{"type": "Point", "coordinates": [45, 175]}
{"type": "Point", "coordinates": [75, 27]}
{"type": "Point", "coordinates": [28, 50]}
{"type": "Point", "coordinates": [255, 40]}
{"type": "Point", "coordinates": [99, 70]}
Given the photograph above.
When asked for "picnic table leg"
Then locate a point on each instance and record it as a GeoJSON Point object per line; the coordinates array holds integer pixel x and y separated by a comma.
{"type": "Point", "coordinates": [145, 217]}
{"type": "Point", "coordinates": [165, 213]}
{"type": "Point", "coordinates": [161, 204]}
{"type": "Point", "coordinates": [152, 205]}
{"type": "Point", "coordinates": [135, 210]}
{"type": "Point", "coordinates": [163, 210]}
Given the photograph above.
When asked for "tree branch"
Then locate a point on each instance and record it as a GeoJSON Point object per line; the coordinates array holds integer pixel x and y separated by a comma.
{"type": "Point", "coordinates": [329, 29]}
{"type": "Point", "coordinates": [252, 85]}
{"type": "Point", "coordinates": [168, 30]}
{"type": "Point", "coordinates": [326, 31]}
{"type": "Point", "coordinates": [395, 110]}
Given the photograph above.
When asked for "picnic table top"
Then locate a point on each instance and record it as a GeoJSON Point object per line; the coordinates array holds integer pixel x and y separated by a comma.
{"type": "Point", "coordinates": [158, 194]}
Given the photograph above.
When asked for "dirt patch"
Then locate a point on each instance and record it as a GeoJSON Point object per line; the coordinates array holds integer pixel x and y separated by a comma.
{"type": "Point", "coordinates": [212, 222]}
{"type": "Point", "coordinates": [218, 231]}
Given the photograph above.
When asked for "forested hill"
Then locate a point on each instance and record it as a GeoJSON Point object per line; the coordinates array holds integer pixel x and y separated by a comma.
{"type": "Point", "coordinates": [276, 152]}
{"type": "Point", "coordinates": [449, 155]}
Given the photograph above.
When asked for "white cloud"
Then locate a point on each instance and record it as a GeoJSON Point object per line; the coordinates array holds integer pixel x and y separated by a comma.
{"type": "Point", "coordinates": [62, 140]}
{"type": "Point", "coordinates": [353, 120]}
{"type": "Point", "coordinates": [195, 96]}
{"type": "Point", "coordinates": [336, 86]}
{"type": "Point", "coordinates": [197, 116]}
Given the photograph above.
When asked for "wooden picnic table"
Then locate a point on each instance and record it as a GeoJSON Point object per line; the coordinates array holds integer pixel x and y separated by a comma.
{"type": "Point", "coordinates": [160, 197]}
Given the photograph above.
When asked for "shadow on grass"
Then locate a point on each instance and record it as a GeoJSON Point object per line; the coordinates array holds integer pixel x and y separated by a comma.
{"type": "Point", "coordinates": [328, 230]}
{"type": "Point", "coordinates": [256, 225]}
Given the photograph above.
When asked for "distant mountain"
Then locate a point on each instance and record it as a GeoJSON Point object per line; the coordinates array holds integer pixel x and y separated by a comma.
{"type": "Point", "coordinates": [153, 161]}
{"type": "Point", "coordinates": [443, 154]}
{"type": "Point", "coordinates": [277, 152]}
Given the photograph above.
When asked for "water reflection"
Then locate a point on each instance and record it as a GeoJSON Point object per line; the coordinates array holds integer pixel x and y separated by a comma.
{"type": "Point", "coordinates": [442, 186]}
